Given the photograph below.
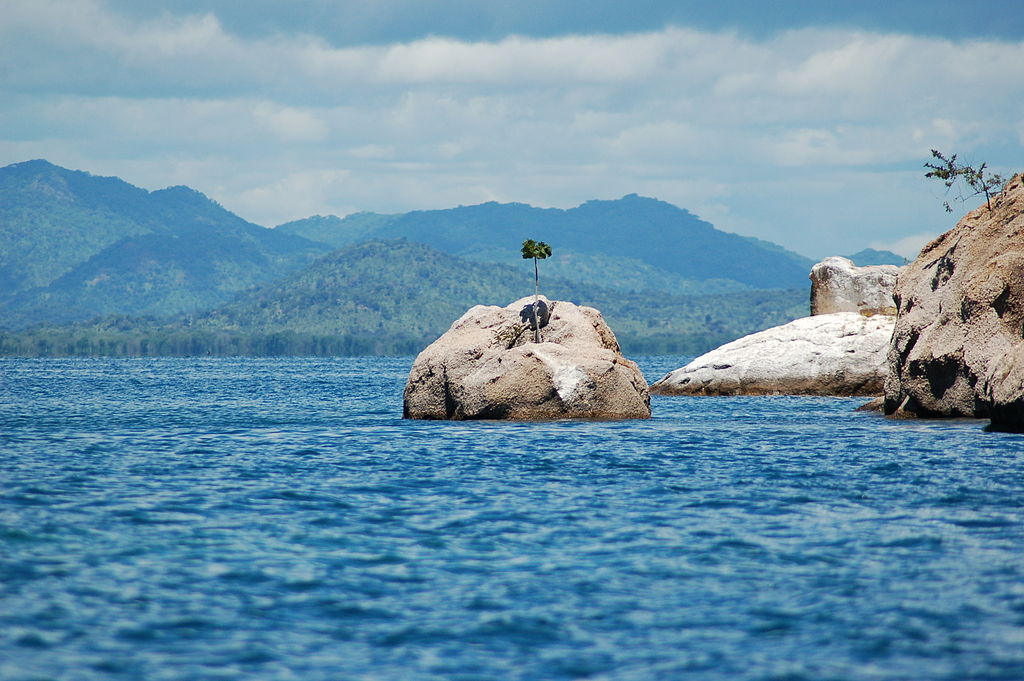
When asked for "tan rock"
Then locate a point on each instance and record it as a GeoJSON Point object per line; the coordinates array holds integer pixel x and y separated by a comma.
{"type": "Point", "coordinates": [486, 366]}
{"type": "Point", "coordinates": [956, 346]}
{"type": "Point", "coordinates": [837, 285]}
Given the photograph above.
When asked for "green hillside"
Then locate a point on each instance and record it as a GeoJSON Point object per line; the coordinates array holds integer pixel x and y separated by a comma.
{"type": "Point", "coordinates": [338, 232]}
{"type": "Point", "coordinates": [395, 297]}
{"type": "Point", "coordinates": [627, 275]}
{"type": "Point", "coordinates": [74, 246]}
{"type": "Point", "coordinates": [52, 219]}
{"type": "Point", "coordinates": [401, 287]}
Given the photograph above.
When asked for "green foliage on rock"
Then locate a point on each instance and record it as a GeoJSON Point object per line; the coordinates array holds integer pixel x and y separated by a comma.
{"type": "Point", "coordinates": [537, 250]}
{"type": "Point", "coordinates": [964, 177]}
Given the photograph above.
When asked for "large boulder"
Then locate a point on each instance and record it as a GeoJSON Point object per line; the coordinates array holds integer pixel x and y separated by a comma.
{"type": "Point", "coordinates": [956, 349]}
{"type": "Point", "coordinates": [486, 366]}
{"type": "Point", "coordinates": [843, 353]}
{"type": "Point", "coordinates": [837, 285]}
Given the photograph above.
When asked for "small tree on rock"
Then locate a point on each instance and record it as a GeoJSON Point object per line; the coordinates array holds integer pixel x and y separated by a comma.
{"type": "Point", "coordinates": [538, 250]}
{"type": "Point", "coordinates": [976, 179]}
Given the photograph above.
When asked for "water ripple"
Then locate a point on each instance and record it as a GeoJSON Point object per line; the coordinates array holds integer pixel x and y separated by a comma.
{"type": "Point", "coordinates": [277, 519]}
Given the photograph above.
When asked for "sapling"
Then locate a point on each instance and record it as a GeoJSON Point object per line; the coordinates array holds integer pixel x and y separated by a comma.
{"type": "Point", "coordinates": [538, 250]}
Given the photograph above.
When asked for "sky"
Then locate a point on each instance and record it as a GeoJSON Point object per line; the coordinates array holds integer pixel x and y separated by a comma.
{"type": "Point", "coordinates": [802, 123]}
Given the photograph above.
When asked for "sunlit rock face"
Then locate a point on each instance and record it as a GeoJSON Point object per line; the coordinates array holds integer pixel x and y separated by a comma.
{"type": "Point", "coordinates": [843, 353]}
{"type": "Point", "coordinates": [487, 366]}
{"type": "Point", "coordinates": [956, 348]}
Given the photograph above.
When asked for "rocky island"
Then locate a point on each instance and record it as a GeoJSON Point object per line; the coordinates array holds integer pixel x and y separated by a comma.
{"type": "Point", "coordinates": [486, 366]}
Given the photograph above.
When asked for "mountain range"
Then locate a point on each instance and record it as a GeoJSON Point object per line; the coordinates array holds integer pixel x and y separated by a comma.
{"type": "Point", "coordinates": [77, 251]}
{"type": "Point", "coordinates": [648, 243]}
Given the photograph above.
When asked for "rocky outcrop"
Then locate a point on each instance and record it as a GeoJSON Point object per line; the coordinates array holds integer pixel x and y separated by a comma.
{"type": "Point", "coordinates": [486, 366]}
{"type": "Point", "coordinates": [831, 354]}
{"type": "Point", "coordinates": [837, 285]}
{"type": "Point", "coordinates": [956, 349]}
{"type": "Point", "coordinates": [840, 350]}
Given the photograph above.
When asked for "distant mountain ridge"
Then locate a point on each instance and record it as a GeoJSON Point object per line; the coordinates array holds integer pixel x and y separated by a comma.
{"type": "Point", "coordinates": [634, 229]}
{"type": "Point", "coordinates": [872, 256]}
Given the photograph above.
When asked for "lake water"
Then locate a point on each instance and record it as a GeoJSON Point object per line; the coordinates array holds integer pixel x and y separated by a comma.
{"type": "Point", "coordinates": [276, 519]}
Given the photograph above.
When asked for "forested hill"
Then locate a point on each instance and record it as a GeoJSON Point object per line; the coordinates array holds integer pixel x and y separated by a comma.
{"type": "Point", "coordinates": [395, 297]}
{"type": "Point", "coordinates": [74, 246]}
{"type": "Point", "coordinates": [607, 236]}
{"type": "Point", "coordinates": [406, 289]}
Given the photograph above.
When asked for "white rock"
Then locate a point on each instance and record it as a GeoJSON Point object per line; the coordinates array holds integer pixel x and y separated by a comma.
{"type": "Point", "coordinates": [837, 285]}
{"type": "Point", "coordinates": [843, 353]}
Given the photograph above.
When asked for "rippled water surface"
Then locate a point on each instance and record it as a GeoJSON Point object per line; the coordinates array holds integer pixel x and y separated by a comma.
{"type": "Point", "coordinates": [277, 519]}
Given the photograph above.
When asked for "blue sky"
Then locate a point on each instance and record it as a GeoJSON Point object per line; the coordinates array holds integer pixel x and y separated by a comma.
{"type": "Point", "coordinates": [805, 123]}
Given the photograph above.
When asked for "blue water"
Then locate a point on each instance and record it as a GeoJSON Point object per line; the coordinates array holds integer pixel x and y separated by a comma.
{"type": "Point", "coordinates": [276, 519]}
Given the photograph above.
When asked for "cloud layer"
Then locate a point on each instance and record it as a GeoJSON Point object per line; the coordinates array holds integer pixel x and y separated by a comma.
{"type": "Point", "coordinates": [812, 138]}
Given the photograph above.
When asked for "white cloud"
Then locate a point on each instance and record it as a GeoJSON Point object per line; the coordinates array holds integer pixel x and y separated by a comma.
{"type": "Point", "coordinates": [813, 138]}
{"type": "Point", "coordinates": [290, 124]}
{"type": "Point", "coordinates": [858, 65]}
{"type": "Point", "coordinates": [372, 151]}
{"type": "Point", "coordinates": [307, 192]}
